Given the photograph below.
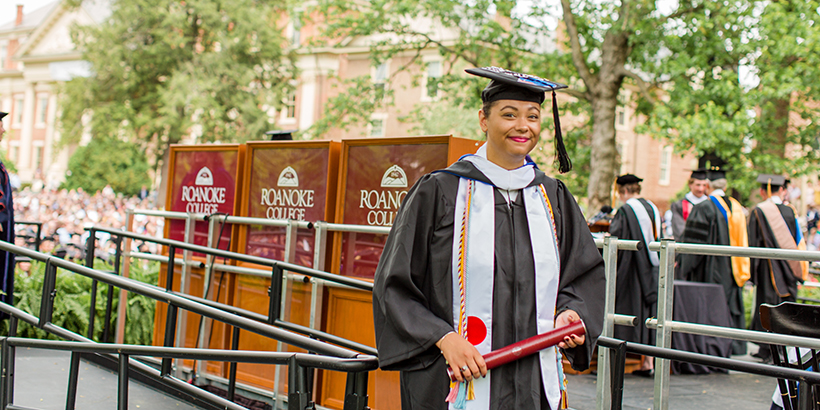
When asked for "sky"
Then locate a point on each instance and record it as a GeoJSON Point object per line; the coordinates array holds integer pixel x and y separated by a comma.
{"type": "Point", "coordinates": [8, 8]}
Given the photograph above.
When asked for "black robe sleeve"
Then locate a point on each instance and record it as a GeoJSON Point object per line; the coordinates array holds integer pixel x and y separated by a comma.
{"type": "Point", "coordinates": [408, 293]}
{"type": "Point", "coordinates": [583, 284]}
{"type": "Point", "coordinates": [698, 229]}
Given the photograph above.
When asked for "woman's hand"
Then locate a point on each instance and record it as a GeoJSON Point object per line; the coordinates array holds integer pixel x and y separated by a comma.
{"type": "Point", "coordinates": [565, 318]}
{"type": "Point", "coordinates": [463, 358]}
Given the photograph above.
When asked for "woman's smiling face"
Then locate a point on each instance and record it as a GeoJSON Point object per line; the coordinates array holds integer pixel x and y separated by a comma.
{"type": "Point", "coordinates": [513, 128]}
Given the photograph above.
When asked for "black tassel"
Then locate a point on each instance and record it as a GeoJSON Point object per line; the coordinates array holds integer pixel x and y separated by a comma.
{"type": "Point", "coordinates": [564, 163]}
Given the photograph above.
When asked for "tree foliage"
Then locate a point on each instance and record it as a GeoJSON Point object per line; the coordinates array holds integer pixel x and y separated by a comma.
{"type": "Point", "coordinates": [683, 61]}
{"type": "Point", "coordinates": [164, 69]}
{"type": "Point", "coordinates": [742, 83]}
{"type": "Point", "coordinates": [108, 162]}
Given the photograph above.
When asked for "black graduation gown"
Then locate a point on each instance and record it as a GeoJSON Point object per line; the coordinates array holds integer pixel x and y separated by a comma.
{"type": "Point", "coordinates": [7, 224]}
{"type": "Point", "coordinates": [766, 273]}
{"type": "Point", "coordinates": [678, 222]}
{"type": "Point", "coordinates": [412, 294]}
{"type": "Point", "coordinates": [707, 225]}
{"type": "Point", "coordinates": [637, 285]}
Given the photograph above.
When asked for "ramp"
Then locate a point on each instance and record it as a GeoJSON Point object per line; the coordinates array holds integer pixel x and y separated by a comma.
{"type": "Point", "coordinates": [41, 382]}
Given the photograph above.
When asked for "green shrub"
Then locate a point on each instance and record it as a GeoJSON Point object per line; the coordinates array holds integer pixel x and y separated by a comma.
{"type": "Point", "coordinates": [72, 303]}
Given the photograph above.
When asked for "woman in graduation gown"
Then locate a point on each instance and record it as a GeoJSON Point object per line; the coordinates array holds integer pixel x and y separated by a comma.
{"type": "Point", "coordinates": [484, 254]}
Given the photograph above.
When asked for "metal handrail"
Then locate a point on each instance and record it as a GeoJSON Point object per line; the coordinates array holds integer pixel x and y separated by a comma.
{"type": "Point", "coordinates": [299, 364]}
{"type": "Point", "coordinates": [619, 348]}
{"type": "Point", "coordinates": [185, 303]}
{"type": "Point", "coordinates": [740, 334]}
{"type": "Point", "coordinates": [359, 364]}
{"type": "Point", "coordinates": [355, 283]}
{"type": "Point", "coordinates": [749, 252]}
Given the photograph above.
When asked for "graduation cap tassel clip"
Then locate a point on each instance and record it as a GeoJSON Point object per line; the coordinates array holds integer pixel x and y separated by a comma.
{"type": "Point", "coordinates": [564, 163]}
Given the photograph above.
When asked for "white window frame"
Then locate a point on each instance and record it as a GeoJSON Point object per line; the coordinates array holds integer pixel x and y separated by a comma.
{"type": "Point", "coordinates": [621, 113]}
{"type": "Point", "coordinates": [665, 172]}
{"type": "Point", "coordinates": [425, 96]}
{"type": "Point", "coordinates": [377, 117]}
{"type": "Point", "coordinates": [17, 117]}
{"type": "Point", "coordinates": [41, 111]}
{"type": "Point", "coordinates": [289, 102]}
{"type": "Point", "coordinates": [375, 72]}
{"type": "Point", "coordinates": [622, 146]}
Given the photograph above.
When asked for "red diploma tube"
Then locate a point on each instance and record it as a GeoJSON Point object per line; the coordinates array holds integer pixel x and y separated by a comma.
{"type": "Point", "coordinates": [529, 346]}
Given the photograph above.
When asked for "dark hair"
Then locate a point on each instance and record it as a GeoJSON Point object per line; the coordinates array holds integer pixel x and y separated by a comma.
{"type": "Point", "coordinates": [634, 188]}
{"type": "Point", "coordinates": [486, 107]}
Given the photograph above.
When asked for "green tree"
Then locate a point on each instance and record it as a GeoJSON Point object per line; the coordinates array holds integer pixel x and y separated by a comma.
{"type": "Point", "coordinates": [163, 69]}
{"type": "Point", "coordinates": [763, 121]}
{"type": "Point", "coordinates": [601, 47]}
{"type": "Point", "coordinates": [108, 162]}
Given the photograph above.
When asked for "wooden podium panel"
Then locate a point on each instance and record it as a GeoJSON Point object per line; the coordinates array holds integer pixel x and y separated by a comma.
{"type": "Point", "coordinates": [203, 179]}
{"type": "Point", "coordinates": [217, 338]}
{"type": "Point", "coordinates": [352, 312]}
{"type": "Point", "coordinates": [251, 294]}
{"type": "Point", "coordinates": [281, 180]}
{"type": "Point", "coordinates": [287, 180]}
{"type": "Point", "coordinates": [375, 175]}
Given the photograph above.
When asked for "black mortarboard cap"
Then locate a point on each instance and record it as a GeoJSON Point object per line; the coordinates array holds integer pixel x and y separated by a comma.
{"type": "Point", "coordinates": [510, 85]}
{"type": "Point", "coordinates": [627, 179]}
{"type": "Point", "coordinates": [714, 165]}
{"type": "Point", "coordinates": [281, 135]}
{"type": "Point", "coordinates": [699, 174]}
{"type": "Point", "coordinates": [3, 114]}
{"type": "Point", "coordinates": [776, 181]}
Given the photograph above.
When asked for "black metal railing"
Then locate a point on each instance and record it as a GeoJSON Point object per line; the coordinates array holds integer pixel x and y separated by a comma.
{"type": "Point", "coordinates": [357, 383]}
{"type": "Point", "coordinates": [619, 348]}
{"type": "Point", "coordinates": [275, 291]}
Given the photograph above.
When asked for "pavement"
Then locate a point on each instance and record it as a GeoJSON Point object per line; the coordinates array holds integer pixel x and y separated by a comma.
{"type": "Point", "coordinates": [732, 391]}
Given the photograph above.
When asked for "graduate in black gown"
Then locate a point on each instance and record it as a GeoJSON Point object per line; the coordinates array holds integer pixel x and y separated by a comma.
{"type": "Point", "coordinates": [636, 291]}
{"type": "Point", "coordinates": [6, 231]}
{"type": "Point", "coordinates": [719, 221]}
{"type": "Point", "coordinates": [413, 295]}
{"type": "Point", "coordinates": [773, 224]}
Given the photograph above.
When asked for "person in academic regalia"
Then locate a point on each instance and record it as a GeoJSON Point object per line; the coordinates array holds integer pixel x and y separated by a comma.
{"type": "Point", "coordinates": [698, 190]}
{"type": "Point", "coordinates": [719, 221]}
{"type": "Point", "coordinates": [637, 286]}
{"type": "Point", "coordinates": [6, 232]}
{"type": "Point", "coordinates": [774, 225]}
{"type": "Point", "coordinates": [483, 254]}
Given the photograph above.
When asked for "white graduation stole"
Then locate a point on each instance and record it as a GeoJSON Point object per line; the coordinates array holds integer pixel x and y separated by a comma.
{"type": "Point", "coordinates": [645, 223]}
{"type": "Point", "coordinates": [473, 270]}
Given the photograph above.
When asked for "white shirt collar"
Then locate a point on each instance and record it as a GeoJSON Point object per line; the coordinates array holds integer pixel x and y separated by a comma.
{"type": "Point", "coordinates": [718, 192]}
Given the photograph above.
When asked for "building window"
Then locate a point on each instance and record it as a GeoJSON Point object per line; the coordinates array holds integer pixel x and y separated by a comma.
{"type": "Point", "coordinates": [379, 76]}
{"type": "Point", "coordinates": [431, 84]}
{"type": "Point", "coordinates": [3, 52]}
{"type": "Point", "coordinates": [622, 147]}
{"type": "Point", "coordinates": [14, 153]}
{"type": "Point", "coordinates": [290, 105]}
{"type": "Point", "coordinates": [666, 165]}
{"type": "Point", "coordinates": [376, 128]}
{"type": "Point", "coordinates": [42, 110]}
{"type": "Point", "coordinates": [38, 158]}
{"type": "Point", "coordinates": [620, 118]}
{"type": "Point", "coordinates": [295, 32]}
{"type": "Point", "coordinates": [18, 113]}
